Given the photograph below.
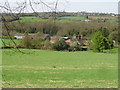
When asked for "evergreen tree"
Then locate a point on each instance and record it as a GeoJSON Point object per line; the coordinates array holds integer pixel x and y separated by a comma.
{"type": "Point", "coordinates": [99, 42]}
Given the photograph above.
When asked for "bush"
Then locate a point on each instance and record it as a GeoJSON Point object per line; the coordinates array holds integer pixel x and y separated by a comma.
{"type": "Point", "coordinates": [60, 45]}
{"type": "Point", "coordinates": [71, 48]}
{"type": "Point", "coordinates": [27, 43]}
{"type": "Point", "coordinates": [75, 48]}
{"type": "Point", "coordinates": [78, 47]}
{"type": "Point", "coordinates": [47, 44]}
{"type": "Point", "coordinates": [38, 42]}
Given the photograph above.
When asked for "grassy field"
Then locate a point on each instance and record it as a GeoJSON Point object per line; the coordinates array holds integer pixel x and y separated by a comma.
{"type": "Point", "coordinates": [69, 19]}
{"type": "Point", "coordinates": [30, 19]}
{"type": "Point", "coordinates": [53, 69]}
{"type": "Point", "coordinates": [36, 19]}
{"type": "Point", "coordinates": [75, 17]}
{"type": "Point", "coordinates": [63, 19]}
{"type": "Point", "coordinates": [8, 42]}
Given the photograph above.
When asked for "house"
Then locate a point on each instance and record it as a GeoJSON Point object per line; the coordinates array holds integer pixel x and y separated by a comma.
{"type": "Point", "coordinates": [32, 35]}
{"type": "Point", "coordinates": [83, 42]}
{"type": "Point", "coordinates": [19, 36]}
{"type": "Point", "coordinates": [46, 35]}
{"type": "Point", "coordinates": [65, 38]}
{"type": "Point", "coordinates": [79, 39]}
{"type": "Point", "coordinates": [54, 39]}
{"type": "Point", "coordinates": [69, 41]}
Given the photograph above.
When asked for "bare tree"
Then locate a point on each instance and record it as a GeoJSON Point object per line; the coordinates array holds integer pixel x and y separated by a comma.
{"type": "Point", "coordinates": [15, 12]}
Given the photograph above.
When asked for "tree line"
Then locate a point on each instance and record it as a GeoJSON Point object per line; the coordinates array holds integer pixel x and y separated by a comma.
{"type": "Point", "coordinates": [87, 29]}
{"type": "Point", "coordinates": [101, 34]}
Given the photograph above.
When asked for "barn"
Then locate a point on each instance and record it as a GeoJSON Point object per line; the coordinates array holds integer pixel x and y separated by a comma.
{"type": "Point", "coordinates": [19, 36]}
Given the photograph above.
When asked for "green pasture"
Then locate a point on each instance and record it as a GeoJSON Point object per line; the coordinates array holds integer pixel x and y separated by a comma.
{"type": "Point", "coordinates": [59, 69]}
{"type": "Point", "coordinates": [36, 19]}
{"type": "Point", "coordinates": [67, 19]}
{"type": "Point", "coordinates": [75, 17]}
{"type": "Point", "coordinates": [10, 43]}
{"type": "Point", "coordinates": [30, 19]}
{"type": "Point", "coordinates": [113, 20]}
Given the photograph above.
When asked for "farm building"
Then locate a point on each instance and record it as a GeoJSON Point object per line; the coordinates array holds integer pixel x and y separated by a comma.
{"type": "Point", "coordinates": [19, 36]}
{"type": "Point", "coordinates": [32, 35]}
{"type": "Point", "coordinates": [46, 35]}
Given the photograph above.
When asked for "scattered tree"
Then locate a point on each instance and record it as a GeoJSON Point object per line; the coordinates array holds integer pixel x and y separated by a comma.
{"type": "Point", "coordinates": [99, 42]}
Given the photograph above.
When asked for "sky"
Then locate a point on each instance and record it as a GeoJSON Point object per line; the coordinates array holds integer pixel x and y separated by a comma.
{"type": "Point", "coordinates": [93, 0]}
{"type": "Point", "coordinates": [102, 6]}
{"type": "Point", "coordinates": [69, 0]}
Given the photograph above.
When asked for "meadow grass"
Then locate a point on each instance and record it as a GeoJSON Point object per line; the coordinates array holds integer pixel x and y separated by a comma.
{"type": "Point", "coordinates": [75, 17]}
{"type": "Point", "coordinates": [64, 19]}
{"type": "Point", "coordinates": [9, 42]}
{"type": "Point", "coordinates": [31, 19]}
{"type": "Point", "coordinates": [37, 19]}
{"type": "Point", "coordinates": [53, 69]}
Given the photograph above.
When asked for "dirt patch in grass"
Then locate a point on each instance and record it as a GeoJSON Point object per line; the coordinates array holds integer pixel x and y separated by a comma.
{"type": "Point", "coordinates": [58, 68]}
{"type": "Point", "coordinates": [55, 81]}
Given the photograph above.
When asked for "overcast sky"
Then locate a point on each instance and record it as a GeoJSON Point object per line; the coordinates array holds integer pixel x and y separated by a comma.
{"type": "Point", "coordinates": [104, 6]}
{"type": "Point", "coordinates": [70, 0]}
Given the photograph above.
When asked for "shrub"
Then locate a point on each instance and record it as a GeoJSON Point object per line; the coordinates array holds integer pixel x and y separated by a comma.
{"type": "Point", "coordinates": [27, 43]}
{"type": "Point", "coordinates": [38, 42]}
{"type": "Point", "coordinates": [71, 48]}
{"type": "Point", "coordinates": [60, 45]}
{"type": "Point", "coordinates": [78, 47]}
{"type": "Point", "coordinates": [47, 44]}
